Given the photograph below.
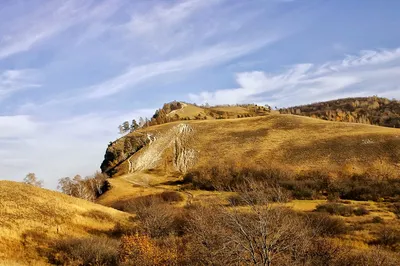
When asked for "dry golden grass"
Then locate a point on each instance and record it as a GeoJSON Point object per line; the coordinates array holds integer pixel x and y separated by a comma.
{"type": "Point", "coordinates": [189, 111]}
{"type": "Point", "coordinates": [31, 216]}
{"type": "Point", "coordinates": [295, 142]}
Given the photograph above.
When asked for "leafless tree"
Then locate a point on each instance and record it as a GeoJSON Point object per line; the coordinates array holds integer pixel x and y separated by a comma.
{"type": "Point", "coordinates": [31, 179]}
{"type": "Point", "coordinates": [87, 188]}
{"type": "Point", "coordinates": [258, 232]}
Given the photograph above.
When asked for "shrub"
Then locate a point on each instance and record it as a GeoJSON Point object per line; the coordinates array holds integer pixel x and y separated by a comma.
{"type": "Point", "coordinates": [396, 209]}
{"type": "Point", "coordinates": [85, 251]}
{"type": "Point", "coordinates": [324, 225]}
{"type": "Point", "coordinates": [378, 220]}
{"type": "Point", "coordinates": [360, 211]}
{"type": "Point", "coordinates": [171, 196]}
{"type": "Point", "coordinates": [122, 229]}
{"type": "Point", "coordinates": [142, 250]}
{"type": "Point", "coordinates": [335, 209]}
{"type": "Point", "coordinates": [388, 237]}
{"type": "Point", "coordinates": [157, 218]}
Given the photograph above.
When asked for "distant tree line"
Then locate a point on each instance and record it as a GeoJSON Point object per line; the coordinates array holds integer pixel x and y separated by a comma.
{"type": "Point", "coordinates": [369, 110]}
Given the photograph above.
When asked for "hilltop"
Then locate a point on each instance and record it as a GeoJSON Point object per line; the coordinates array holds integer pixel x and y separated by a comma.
{"type": "Point", "coordinates": [297, 142]}
{"type": "Point", "coordinates": [32, 219]}
{"type": "Point", "coordinates": [366, 110]}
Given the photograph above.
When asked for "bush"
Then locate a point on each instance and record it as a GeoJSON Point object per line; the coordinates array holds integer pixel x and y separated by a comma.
{"type": "Point", "coordinates": [378, 220]}
{"type": "Point", "coordinates": [305, 185]}
{"type": "Point", "coordinates": [157, 218]}
{"type": "Point", "coordinates": [335, 209]}
{"type": "Point", "coordinates": [171, 196]}
{"type": "Point", "coordinates": [388, 237]}
{"type": "Point", "coordinates": [396, 209]}
{"type": "Point", "coordinates": [85, 251]}
{"type": "Point", "coordinates": [142, 250]}
{"type": "Point", "coordinates": [360, 211]}
{"type": "Point", "coordinates": [324, 225]}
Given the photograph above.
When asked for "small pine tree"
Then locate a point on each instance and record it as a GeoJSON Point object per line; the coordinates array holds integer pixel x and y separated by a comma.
{"type": "Point", "coordinates": [126, 126]}
{"type": "Point", "coordinates": [134, 125]}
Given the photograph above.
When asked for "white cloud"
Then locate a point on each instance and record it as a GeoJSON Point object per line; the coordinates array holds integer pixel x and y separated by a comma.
{"type": "Point", "coordinates": [53, 149]}
{"type": "Point", "coordinates": [370, 72]}
{"type": "Point", "coordinates": [12, 81]}
{"type": "Point", "coordinates": [16, 126]}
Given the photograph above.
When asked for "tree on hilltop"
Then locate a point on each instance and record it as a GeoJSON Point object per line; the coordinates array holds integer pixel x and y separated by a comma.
{"type": "Point", "coordinates": [134, 125]}
{"type": "Point", "coordinates": [31, 179]}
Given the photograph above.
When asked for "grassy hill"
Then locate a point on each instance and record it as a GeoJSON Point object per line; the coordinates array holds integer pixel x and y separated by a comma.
{"type": "Point", "coordinates": [295, 142]}
{"type": "Point", "coordinates": [32, 218]}
{"type": "Point", "coordinates": [367, 110]}
{"type": "Point", "coordinates": [342, 177]}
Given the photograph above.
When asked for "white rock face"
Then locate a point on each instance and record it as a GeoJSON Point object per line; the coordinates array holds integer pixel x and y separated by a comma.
{"type": "Point", "coordinates": [177, 139]}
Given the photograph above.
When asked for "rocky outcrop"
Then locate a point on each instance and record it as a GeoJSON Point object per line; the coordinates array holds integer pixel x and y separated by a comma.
{"type": "Point", "coordinates": [177, 139]}
{"type": "Point", "coordinates": [143, 151]}
{"type": "Point", "coordinates": [118, 151]}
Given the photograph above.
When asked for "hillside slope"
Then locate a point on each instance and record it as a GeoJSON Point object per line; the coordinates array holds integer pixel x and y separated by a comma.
{"type": "Point", "coordinates": [367, 110]}
{"type": "Point", "coordinates": [30, 217]}
{"type": "Point", "coordinates": [295, 142]}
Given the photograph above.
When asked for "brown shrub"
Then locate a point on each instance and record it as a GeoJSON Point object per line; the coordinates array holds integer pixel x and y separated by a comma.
{"type": "Point", "coordinates": [378, 220]}
{"type": "Point", "coordinates": [171, 196]}
{"type": "Point", "coordinates": [335, 209]}
{"type": "Point", "coordinates": [157, 218]}
{"type": "Point", "coordinates": [396, 209]}
{"type": "Point", "coordinates": [142, 250]}
{"type": "Point", "coordinates": [324, 225]}
{"type": "Point", "coordinates": [388, 237]}
{"type": "Point", "coordinates": [85, 251]}
{"type": "Point", "coordinates": [360, 211]}
{"type": "Point", "coordinates": [327, 252]}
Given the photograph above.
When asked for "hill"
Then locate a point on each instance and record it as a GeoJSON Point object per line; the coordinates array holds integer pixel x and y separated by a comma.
{"type": "Point", "coordinates": [31, 218]}
{"type": "Point", "coordinates": [342, 178]}
{"type": "Point", "coordinates": [368, 110]}
{"type": "Point", "coordinates": [295, 142]}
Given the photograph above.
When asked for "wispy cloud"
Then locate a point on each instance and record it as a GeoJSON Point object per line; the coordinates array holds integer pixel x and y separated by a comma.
{"type": "Point", "coordinates": [12, 81]}
{"type": "Point", "coordinates": [369, 72]}
{"type": "Point", "coordinates": [23, 33]}
{"type": "Point", "coordinates": [208, 57]}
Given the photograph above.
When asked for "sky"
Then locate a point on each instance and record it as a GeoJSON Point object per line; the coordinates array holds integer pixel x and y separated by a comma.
{"type": "Point", "coordinates": [71, 71]}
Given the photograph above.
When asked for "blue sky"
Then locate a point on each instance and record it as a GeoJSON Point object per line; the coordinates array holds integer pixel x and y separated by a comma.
{"type": "Point", "coordinates": [71, 71]}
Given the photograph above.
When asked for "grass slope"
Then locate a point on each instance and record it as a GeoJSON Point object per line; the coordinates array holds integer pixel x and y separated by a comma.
{"type": "Point", "coordinates": [30, 217]}
{"type": "Point", "coordinates": [295, 142]}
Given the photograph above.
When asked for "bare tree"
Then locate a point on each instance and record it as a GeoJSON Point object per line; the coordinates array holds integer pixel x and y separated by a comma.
{"type": "Point", "coordinates": [88, 188]}
{"type": "Point", "coordinates": [31, 179]}
{"type": "Point", "coordinates": [260, 233]}
{"type": "Point", "coordinates": [66, 185]}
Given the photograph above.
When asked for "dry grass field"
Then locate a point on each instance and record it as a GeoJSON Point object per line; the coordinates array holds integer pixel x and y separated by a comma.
{"type": "Point", "coordinates": [297, 143]}
{"type": "Point", "coordinates": [290, 143]}
{"type": "Point", "coordinates": [30, 218]}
